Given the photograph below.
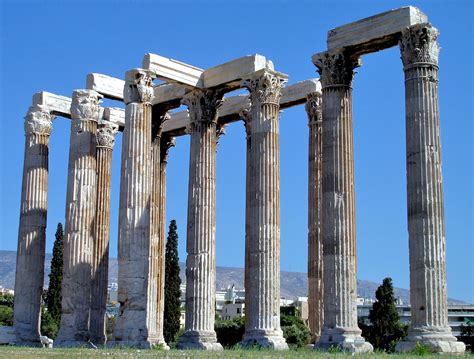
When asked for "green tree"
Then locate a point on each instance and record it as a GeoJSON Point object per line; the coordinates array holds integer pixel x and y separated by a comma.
{"type": "Point", "coordinates": [295, 332]}
{"type": "Point", "coordinates": [49, 326]}
{"type": "Point", "coordinates": [230, 332]}
{"type": "Point", "coordinates": [172, 312]}
{"type": "Point", "coordinates": [6, 315]}
{"type": "Point", "coordinates": [467, 335]}
{"type": "Point", "coordinates": [53, 296]}
{"type": "Point", "coordinates": [7, 300]}
{"type": "Point", "coordinates": [385, 329]}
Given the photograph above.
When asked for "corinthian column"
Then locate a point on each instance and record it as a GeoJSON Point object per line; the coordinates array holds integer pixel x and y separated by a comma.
{"type": "Point", "coordinates": [136, 325]}
{"type": "Point", "coordinates": [201, 233]}
{"type": "Point", "coordinates": [156, 222]}
{"type": "Point", "coordinates": [262, 251]}
{"type": "Point", "coordinates": [426, 228]}
{"type": "Point", "coordinates": [80, 215]}
{"type": "Point", "coordinates": [159, 218]}
{"type": "Point", "coordinates": [100, 262]}
{"type": "Point", "coordinates": [29, 273]}
{"type": "Point", "coordinates": [315, 243]}
{"type": "Point", "coordinates": [338, 198]}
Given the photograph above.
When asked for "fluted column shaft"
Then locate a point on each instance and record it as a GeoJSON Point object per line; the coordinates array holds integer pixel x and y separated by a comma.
{"type": "Point", "coordinates": [135, 324]}
{"type": "Point", "coordinates": [201, 229]}
{"type": "Point", "coordinates": [100, 262]}
{"type": "Point", "coordinates": [29, 275]}
{"type": "Point", "coordinates": [80, 215]}
{"type": "Point", "coordinates": [338, 200]}
{"type": "Point", "coordinates": [158, 222]}
{"type": "Point", "coordinates": [262, 286]}
{"type": "Point", "coordinates": [315, 243]}
{"type": "Point", "coordinates": [426, 227]}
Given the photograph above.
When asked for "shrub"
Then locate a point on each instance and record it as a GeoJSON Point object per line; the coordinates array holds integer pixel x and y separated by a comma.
{"type": "Point", "coordinates": [230, 332]}
{"type": "Point", "coordinates": [6, 315]}
{"type": "Point", "coordinates": [296, 333]}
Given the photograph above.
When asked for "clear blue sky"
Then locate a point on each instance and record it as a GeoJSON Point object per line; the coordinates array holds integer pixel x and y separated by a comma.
{"type": "Point", "coordinates": [52, 45]}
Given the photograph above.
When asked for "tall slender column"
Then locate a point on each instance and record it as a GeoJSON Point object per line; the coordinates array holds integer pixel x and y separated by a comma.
{"type": "Point", "coordinates": [29, 273]}
{"type": "Point", "coordinates": [80, 215]}
{"type": "Point", "coordinates": [157, 240]}
{"type": "Point", "coordinates": [135, 324]}
{"type": "Point", "coordinates": [166, 142]}
{"type": "Point", "coordinates": [338, 198]}
{"type": "Point", "coordinates": [426, 228]}
{"type": "Point", "coordinates": [201, 232]}
{"type": "Point", "coordinates": [262, 286]}
{"type": "Point", "coordinates": [315, 243]}
{"type": "Point", "coordinates": [100, 262]}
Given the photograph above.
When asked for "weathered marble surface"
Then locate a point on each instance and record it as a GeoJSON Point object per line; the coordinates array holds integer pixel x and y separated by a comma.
{"type": "Point", "coordinates": [315, 242]}
{"type": "Point", "coordinates": [80, 216]}
{"type": "Point", "coordinates": [105, 137]}
{"type": "Point", "coordinates": [29, 273]}
{"type": "Point", "coordinates": [107, 86]}
{"type": "Point", "coordinates": [172, 70]}
{"type": "Point", "coordinates": [262, 222]}
{"type": "Point", "coordinates": [374, 33]}
{"type": "Point", "coordinates": [201, 230]}
{"type": "Point", "coordinates": [426, 225]}
{"type": "Point", "coordinates": [232, 106]}
{"type": "Point", "coordinates": [338, 200]}
{"type": "Point", "coordinates": [134, 325]}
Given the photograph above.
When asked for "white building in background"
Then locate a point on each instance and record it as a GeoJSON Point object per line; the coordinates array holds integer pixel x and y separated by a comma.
{"type": "Point", "coordinates": [4, 290]}
{"type": "Point", "coordinates": [112, 293]}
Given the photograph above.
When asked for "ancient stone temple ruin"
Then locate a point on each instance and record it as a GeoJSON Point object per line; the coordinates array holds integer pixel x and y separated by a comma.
{"type": "Point", "coordinates": [149, 126]}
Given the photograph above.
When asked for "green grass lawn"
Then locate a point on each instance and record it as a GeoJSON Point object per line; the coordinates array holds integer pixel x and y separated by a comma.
{"type": "Point", "coordinates": [19, 352]}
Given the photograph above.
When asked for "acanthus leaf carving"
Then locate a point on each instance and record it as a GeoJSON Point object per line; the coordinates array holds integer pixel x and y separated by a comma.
{"type": "Point", "coordinates": [418, 43]}
{"type": "Point", "coordinates": [85, 105]}
{"type": "Point", "coordinates": [157, 125]}
{"type": "Point", "coordinates": [139, 86]}
{"type": "Point", "coordinates": [38, 120]}
{"type": "Point", "coordinates": [220, 131]}
{"type": "Point", "coordinates": [246, 116]}
{"type": "Point", "coordinates": [167, 142]}
{"type": "Point", "coordinates": [105, 134]}
{"type": "Point", "coordinates": [336, 67]}
{"type": "Point", "coordinates": [203, 105]}
{"type": "Point", "coordinates": [265, 88]}
{"type": "Point", "coordinates": [313, 106]}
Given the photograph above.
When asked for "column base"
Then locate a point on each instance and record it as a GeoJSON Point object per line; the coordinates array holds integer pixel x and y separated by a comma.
{"type": "Point", "coordinates": [58, 343]}
{"type": "Point", "coordinates": [138, 344]}
{"type": "Point", "coordinates": [345, 339]}
{"type": "Point", "coordinates": [264, 339]}
{"type": "Point", "coordinates": [12, 336]}
{"type": "Point", "coordinates": [199, 340]}
{"type": "Point", "coordinates": [437, 339]}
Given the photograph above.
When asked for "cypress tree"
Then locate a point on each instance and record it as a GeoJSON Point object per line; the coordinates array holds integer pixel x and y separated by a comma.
{"type": "Point", "coordinates": [386, 329]}
{"type": "Point", "coordinates": [53, 298]}
{"type": "Point", "coordinates": [172, 312]}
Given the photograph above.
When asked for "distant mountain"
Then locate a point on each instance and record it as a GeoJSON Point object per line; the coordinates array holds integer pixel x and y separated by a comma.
{"type": "Point", "coordinates": [293, 284]}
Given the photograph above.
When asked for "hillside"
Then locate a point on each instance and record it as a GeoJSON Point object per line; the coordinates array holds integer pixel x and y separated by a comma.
{"type": "Point", "coordinates": [293, 284]}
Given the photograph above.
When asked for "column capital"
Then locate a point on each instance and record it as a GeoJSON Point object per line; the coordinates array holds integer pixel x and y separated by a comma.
{"type": "Point", "coordinates": [38, 120]}
{"type": "Point", "coordinates": [138, 86]}
{"type": "Point", "coordinates": [85, 105]}
{"type": "Point", "coordinates": [265, 87]}
{"type": "Point", "coordinates": [166, 143]}
{"type": "Point", "coordinates": [203, 104]}
{"type": "Point", "coordinates": [336, 67]}
{"type": "Point", "coordinates": [220, 131]}
{"type": "Point", "coordinates": [157, 125]}
{"type": "Point", "coordinates": [246, 116]}
{"type": "Point", "coordinates": [418, 45]}
{"type": "Point", "coordinates": [105, 134]}
{"type": "Point", "coordinates": [313, 106]}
